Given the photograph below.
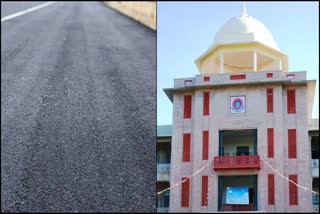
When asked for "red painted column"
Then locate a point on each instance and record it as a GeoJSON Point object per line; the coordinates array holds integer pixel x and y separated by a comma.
{"type": "Point", "coordinates": [185, 191]}
{"type": "Point", "coordinates": [206, 103]}
{"type": "Point", "coordinates": [187, 106]}
{"type": "Point", "coordinates": [270, 142]}
{"type": "Point", "coordinates": [269, 99]}
{"type": "Point", "coordinates": [270, 189]}
{"type": "Point", "coordinates": [204, 192]}
{"type": "Point", "coordinates": [205, 145]}
{"type": "Point", "coordinates": [292, 144]}
{"type": "Point", "coordinates": [186, 147]}
{"type": "Point", "coordinates": [293, 190]}
{"type": "Point", "coordinates": [291, 101]}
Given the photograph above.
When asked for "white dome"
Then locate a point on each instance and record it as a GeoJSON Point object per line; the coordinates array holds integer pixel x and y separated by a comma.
{"type": "Point", "coordinates": [244, 29]}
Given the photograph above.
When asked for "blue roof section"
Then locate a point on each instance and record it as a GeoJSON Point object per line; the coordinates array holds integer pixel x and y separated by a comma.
{"type": "Point", "coordinates": [164, 131]}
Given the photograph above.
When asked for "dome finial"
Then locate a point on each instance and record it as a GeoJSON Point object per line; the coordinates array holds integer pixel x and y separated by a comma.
{"type": "Point", "coordinates": [244, 10]}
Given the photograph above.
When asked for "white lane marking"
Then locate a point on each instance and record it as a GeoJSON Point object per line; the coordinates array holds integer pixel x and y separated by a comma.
{"type": "Point", "coordinates": [26, 11]}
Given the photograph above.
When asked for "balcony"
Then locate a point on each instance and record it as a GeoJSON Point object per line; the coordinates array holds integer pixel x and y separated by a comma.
{"type": "Point", "coordinates": [163, 199]}
{"type": "Point", "coordinates": [163, 161]}
{"type": "Point", "coordinates": [162, 209]}
{"type": "Point", "coordinates": [236, 162]}
{"type": "Point", "coordinates": [315, 167]}
{"type": "Point", "coordinates": [315, 199]}
{"type": "Point", "coordinates": [163, 172]}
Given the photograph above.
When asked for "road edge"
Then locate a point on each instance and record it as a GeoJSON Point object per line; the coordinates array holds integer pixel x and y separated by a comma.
{"type": "Point", "coordinates": [137, 17]}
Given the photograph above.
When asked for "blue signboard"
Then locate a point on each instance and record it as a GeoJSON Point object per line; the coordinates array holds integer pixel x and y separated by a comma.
{"type": "Point", "coordinates": [237, 195]}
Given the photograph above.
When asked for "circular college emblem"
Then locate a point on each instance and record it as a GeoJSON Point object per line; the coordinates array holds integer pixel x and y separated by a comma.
{"type": "Point", "coordinates": [237, 105]}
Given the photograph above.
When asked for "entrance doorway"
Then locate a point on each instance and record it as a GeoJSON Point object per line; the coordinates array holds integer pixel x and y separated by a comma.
{"type": "Point", "coordinates": [237, 193]}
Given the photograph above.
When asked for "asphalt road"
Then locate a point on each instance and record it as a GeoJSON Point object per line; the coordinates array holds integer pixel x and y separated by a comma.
{"type": "Point", "coordinates": [78, 111]}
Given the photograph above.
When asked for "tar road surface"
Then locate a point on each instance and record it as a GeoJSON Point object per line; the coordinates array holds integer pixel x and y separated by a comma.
{"type": "Point", "coordinates": [78, 110]}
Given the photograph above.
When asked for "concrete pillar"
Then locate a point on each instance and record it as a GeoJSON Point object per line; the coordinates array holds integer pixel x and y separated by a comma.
{"type": "Point", "coordinates": [254, 59]}
{"type": "Point", "coordinates": [280, 64]}
{"type": "Point", "coordinates": [221, 62]}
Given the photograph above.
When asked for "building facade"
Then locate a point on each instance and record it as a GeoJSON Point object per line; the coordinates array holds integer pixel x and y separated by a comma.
{"type": "Point", "coordinates": [245, 119]}
{"type": "Point", "coordinates": [164, 134]}
{"type": "Point", "coordinates": [314, 142]}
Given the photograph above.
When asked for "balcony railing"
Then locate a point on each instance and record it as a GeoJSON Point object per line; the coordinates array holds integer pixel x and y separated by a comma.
{"type": "Point", "coordinates": [315, 167]}
{"type": "Point", "coordinates": [163, 168]}
{"type": "Point", "coordinates": [164, 160]}
{"type": "Point", "coordinates": [162, 209]}
{"type": "Point", "coordinates": [163, 172]}
{"type": "Point", "coordinates": [315, 199]}
{"type": "Point", "coordinates": [315, 163]}
{"type": "Point", "coordinates": [163, 200]}
{"type": "Point", "coordinates": [236, 162]}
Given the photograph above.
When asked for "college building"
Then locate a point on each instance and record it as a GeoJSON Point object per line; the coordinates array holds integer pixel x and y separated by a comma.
{"type": "Point", "coordinates": [240, 129]}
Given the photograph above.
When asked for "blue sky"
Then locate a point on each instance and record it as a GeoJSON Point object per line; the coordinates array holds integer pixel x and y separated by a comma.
{"type": "Point", "coordinates": [185, 30]}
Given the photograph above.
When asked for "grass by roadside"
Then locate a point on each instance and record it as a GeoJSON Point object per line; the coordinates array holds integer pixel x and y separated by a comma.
{"type": "Point", "coordinates": [141, 11]}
